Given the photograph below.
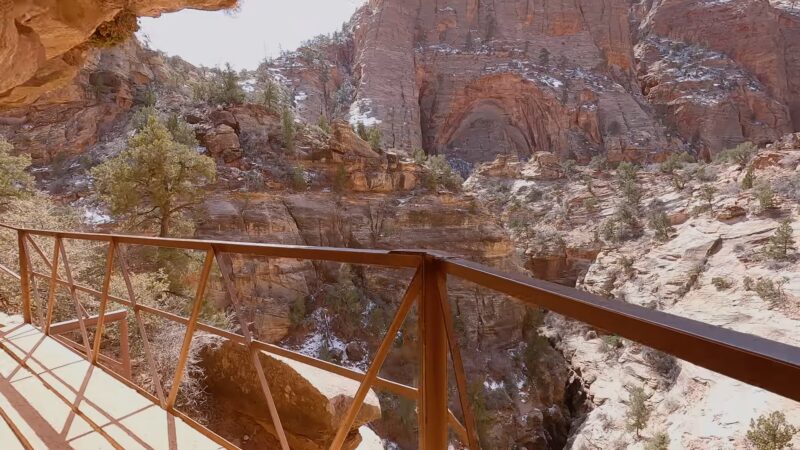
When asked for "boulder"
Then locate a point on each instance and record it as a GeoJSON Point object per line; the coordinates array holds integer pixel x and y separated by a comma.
{"type": "Point", "coordinates": [730, 212]}
{"type": "Point", "coordinates": [346, 142]}
{"type": "Point", "coordinates": [543, 166]}
{"type": "Point", "coordinates": [222, 117]}
{"type": "Point", "coordinates": [310, 402]}
{"type": "Point", "coordinates": [223, 142]}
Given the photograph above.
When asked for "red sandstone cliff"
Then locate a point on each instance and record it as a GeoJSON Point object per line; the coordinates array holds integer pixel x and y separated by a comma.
{"type": "Point", "coordinates": [476, 79]}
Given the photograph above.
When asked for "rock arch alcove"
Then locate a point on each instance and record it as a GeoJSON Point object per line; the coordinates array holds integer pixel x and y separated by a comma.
{"type": "Point", "coordinates": [494, 115]}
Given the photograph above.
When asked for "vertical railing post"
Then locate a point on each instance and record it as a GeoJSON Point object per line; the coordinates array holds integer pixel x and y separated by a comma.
{"type": "Point", "coordinates": [432, 407]}
{"type": "Point", "coordinates": [25, 277]}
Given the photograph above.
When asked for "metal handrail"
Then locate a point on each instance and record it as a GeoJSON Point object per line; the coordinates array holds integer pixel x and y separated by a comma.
{"type": "Point", "coordinates": [754, 360]}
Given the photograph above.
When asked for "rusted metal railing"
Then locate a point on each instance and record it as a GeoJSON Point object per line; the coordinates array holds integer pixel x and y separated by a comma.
{"type": "Point", "coordinates": [767, 364]}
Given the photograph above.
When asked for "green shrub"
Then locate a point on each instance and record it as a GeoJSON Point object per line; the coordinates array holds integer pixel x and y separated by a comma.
{"type": "Point", "coordinates": [297, 311]}
{"type": "Point", "coordinates": [115, 31]}
{"type": "Point", "coordinates": [374, 138]}
{"type": "Point", "coordinates": [323, 124]}
{"type": "Point", "coordinates": [770, 291]}
{"type": "Point", "coordinates": [660, 224]}
{"type": "Point", "coordinates": [675, 161]}
{"type": "Point", "coordinates": [765, 196]}
{"type": "Point", "coordinates": [15, 182]}
{"type": "Point", "coordinates": [588, 181]}
{"type": "Point", "coordinates": [626, 263]}
{"type": "Point", "coordinates": [419, 156]}
{"type": "Point", "coordinates": [270, 97]}
{"type": "Point", "coordinates": [707, 193]}
{"type": "Point", "coordinates": [150, 98]}
{"type": "Point", "coordinates": [568, 168]}
{"type": "Point", "coordinates": [749, 179]}
{"type": "Point", "coordinates": [659, 441]}
{"type": "Point", "coordinates": [483, 417]}
{"type": "Point", "coordinates": [591, 203]}
{"type": "Point", "coordinates": [340, 179]}
{"type": "Point", "coordinates": [181, 131]}
{"type": "Point", "coordinates": [740, 154]}
{"type": "Point", "coordinates": [721, 283]}
{"type": "Point", "coordinates": [704, 173]}
{"type": "Point", "coordinates": [627, 172]}
{"type": "Point", "coordinates": [598, 162]}
{"type": "Point", "coordinates": [771, 432]}
{"type": "Point", "coordinates": [610, 343]}
{"type": "Point", "coordinates": [439, 173]}
{"type": "Point", "coordinates": [662, 363]}
{"type": "Point", "coordinates": [155, 180]}
{"type": "Point", "coordinates": [297, 179]}
{"type": "Point", "coordinates": [678, 181]}
{"type": "Point", "coordinates": [343, 300]}
{"type": "Point", "coordinates": [535, 348]}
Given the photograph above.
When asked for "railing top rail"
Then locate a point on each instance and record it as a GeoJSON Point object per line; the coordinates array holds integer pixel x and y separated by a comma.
{"type": "Point", "coordinates": [345, 255]}
{"type": "Point", "coordinates": [752, 359]}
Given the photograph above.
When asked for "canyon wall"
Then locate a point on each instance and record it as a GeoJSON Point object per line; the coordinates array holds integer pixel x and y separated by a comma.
{"type": "Point", "coordinates": [577, 78]}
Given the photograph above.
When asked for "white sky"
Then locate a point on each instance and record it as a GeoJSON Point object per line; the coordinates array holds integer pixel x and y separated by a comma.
{"type": "Point", "coordinates": [261, 29]}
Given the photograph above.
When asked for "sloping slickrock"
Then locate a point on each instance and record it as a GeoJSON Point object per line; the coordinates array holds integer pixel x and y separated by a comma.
{"type": "Point", "coordinates": [311, 402]}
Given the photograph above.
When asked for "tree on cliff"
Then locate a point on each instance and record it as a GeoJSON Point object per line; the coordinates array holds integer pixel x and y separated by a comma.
{"type": "Point", "coordinates": [221, 87]}
{"type": "Point", "coordinates": [270, 95]}
{"type": "Point", "coordinates": [155, 180]}
{"type": "Point", "coordinates": [638, 411]}
{"type": "Point", "coordinates": [771, 432]}
{"type": "Point", "coordinates": [14, 181]}
{"type": "Point", "coordinates": [781, 244]}
{"type": "Point", "coordinates": [288, 127]}
{"type": "Point", "coordinates": [226, 88]}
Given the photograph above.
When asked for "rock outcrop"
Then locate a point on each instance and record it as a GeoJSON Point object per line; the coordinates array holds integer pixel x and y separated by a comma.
{"type": "Point", "coordinates": [310, 401]}
{"type": "Point", "coordinates": [43, 45]}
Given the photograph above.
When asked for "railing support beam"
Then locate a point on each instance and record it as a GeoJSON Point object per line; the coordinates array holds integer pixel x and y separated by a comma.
{"type": "Point", "coordinates": [433, 411]}
{"type": "Point", "coordinates": [25, 278]}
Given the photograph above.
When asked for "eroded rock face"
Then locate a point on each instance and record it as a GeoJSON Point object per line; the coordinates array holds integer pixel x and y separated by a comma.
{"type": "Point", "coordinates": [42, 44]}
{"type": "Point", "coordinates": [68, 119]}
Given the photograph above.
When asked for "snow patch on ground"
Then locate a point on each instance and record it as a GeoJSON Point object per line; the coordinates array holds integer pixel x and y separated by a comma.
{"type": "Point", "coordinates": [361, 111]}
{"type": "Point", "coordinates": [493, 384]}
{"type": "Point", "coordinates": [92, 216]}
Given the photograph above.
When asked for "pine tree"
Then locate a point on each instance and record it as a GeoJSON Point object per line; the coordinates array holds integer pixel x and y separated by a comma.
{"type": "Point", "coordinates": [323, 124]}
{"type": "Point", "coordinates": [781, 245]}
{"type": "Point", "coordinates": [374, 138]}
{"type": "Point", "coordinates": [287, 120]}
{"type": "Point", "coordinates": [749, 179]}
{"type": "Point", "coordinates": [154, 180]}
{"type": "Point", "coordinates": [226, 89]}
{"type": "Point", "coordinates": [269, 96]}
{"type": "Point", "coordinates": [638, 411]}
{"type": "Point", "coordinates": [544, 57]}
